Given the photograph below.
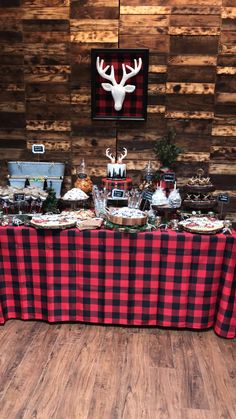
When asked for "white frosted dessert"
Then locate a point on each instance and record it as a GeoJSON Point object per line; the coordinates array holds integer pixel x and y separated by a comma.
{"type": "Point", "coordinates": [116, 171]}
{"type": "Point", "coordinates": [75, 194]}
{"type": "Point", "coordinates": [159, 198]}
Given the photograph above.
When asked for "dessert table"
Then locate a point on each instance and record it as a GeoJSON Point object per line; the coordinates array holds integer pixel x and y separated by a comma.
{"type": "Point", "coordinates": [159, 278]}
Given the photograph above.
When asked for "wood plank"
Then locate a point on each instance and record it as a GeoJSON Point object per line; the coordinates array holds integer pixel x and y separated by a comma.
{"type": "Point", "coordinates": [145, 10]}
{"type": "Point", "coordinates": [159, 43]}
{"type": "Point", "coordinates": [223, 152]}
{"type": "Point", "coordinates": [52, 73]}
{"type": "Point", "coordinates": [211, 358]}
{"type": "Point", "coordinates": [224, 130]}
{"type": "Point", "coordinates": [46, 54]}
{"type": "Point", "coordinates": [140, 24]}
{"type": "Point", "coordinates": [191, 74]}
{"type": "Point", "coordinates": [190, 102]}
{"type": "Point", "coordinates": [98, 25]}
{"type": "Point", "coordinates": [193, 60]}
{"type": "Point", "coordinates": [195, 10]}
{"type": "Point", "coordinates": [19, 339]}
{"type": "Point", "coordinates": [222, 168]}
{"type": "Point", "coordinates": [226, 98]}
{"type": "Point", "coordinates": [46, 25]}
{"type": "Point", "coordinates": [46, 37]}
{"type": "Point", "coordinates": [94, 9]}
{"type": "Point", "coordinates": [45, 3]}
{"type": "Point", "coordinates": [34, 125]}
{"type": "Point", "coordinates": [194, 156]}
{"type": "Point", "coordinates": [190, 115]}
{"type": "Point", "coordinates": [94, 36]}
{"type": "Point", "coordinates": [205, 21]}
{"type": "Point", "coordinates": [190, 380]}
{"type": "Point", "coordinates": [47, 336]}
{"type": "Point", "coordinates": [57, 12]}
{"type": "Point", "coordinates": [226, 70]}
{"type": "Point", "coordinates": [204, 45]}
{"type": "Point", "coordinates": [228, 12]}
{"type": "Point", "coordinates": [196, 31]}
{"type": "Point", "coordinates": [190, 88]}
{"type": "Point", "coordinates": [226, 83]}
{"type": "Point", "coordinates": [169, 2]}
{"type": "Point", "coordinates": [12, 107]}
{"type": "Point", "coordinates": [227, 42]}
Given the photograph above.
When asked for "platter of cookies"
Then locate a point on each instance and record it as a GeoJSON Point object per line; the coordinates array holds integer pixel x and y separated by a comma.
{"type": "Point", "coordinates": [202, 225]}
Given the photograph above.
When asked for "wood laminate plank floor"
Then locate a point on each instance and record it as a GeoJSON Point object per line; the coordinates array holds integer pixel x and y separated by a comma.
{"type": "Point", "coordinates": [78, 371]}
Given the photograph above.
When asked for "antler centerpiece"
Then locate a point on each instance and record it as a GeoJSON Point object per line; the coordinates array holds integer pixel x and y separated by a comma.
{"type": "Point", "coordinates": [119, 159]}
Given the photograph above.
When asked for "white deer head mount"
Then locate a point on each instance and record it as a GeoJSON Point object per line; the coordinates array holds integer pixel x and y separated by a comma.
{"type": "Point", "coordinates": [118, 90]}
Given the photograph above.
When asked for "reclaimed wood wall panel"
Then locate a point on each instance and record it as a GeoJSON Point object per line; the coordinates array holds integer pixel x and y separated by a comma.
{"type": "Point", "coordinates": [45, 83]}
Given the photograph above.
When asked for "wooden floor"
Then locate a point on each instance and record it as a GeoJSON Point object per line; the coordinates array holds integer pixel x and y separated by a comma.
{"type": "Point", "coordinates": [77, 371]}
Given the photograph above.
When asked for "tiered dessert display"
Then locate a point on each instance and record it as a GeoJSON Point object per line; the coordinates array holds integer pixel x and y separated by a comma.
{"type": "Point", "coordinates": [116, 172]}
{"type": "Point", "coordinates": [199, 193]}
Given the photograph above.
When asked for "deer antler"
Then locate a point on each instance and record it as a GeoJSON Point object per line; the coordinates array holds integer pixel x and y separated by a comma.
{"type": "Point", "coordinates": [102, 71]}
{"type": "Point", "coordinates": [133, 71]}
{"type": "Point", "coordinates": [110, 156]}
{"type": "Point", "coordinates": [122, 156]}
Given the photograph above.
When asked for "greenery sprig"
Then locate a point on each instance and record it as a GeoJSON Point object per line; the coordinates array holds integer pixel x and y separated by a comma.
{"type": "Point", "coordinates": [166, 150]}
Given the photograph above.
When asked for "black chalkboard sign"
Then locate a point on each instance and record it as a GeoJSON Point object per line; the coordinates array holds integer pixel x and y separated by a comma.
{"type": "Point", "coordinates": [224, 198]}
{"type": "Point", "coordinates": [38, 148]}
{"type": "Point", "coordinates": [19, 197]}
{"type": "Point", "coordinates": [118, 193]}
{"type": "Point", "coordinates": [169, 177]}
{"type": "Point", "coordinates": [147, 195]}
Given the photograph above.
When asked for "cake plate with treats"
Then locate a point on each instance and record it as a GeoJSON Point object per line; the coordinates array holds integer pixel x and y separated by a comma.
{"type": "Point", "coordinates": [198, 193]}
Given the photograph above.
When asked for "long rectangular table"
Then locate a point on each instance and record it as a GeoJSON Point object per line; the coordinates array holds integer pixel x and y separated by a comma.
{"type": "Point", "coordinates": [168, 278]}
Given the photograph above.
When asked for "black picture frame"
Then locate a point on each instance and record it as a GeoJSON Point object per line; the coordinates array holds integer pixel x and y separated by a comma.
{"type": "Point", "coordinates": [134, 106]}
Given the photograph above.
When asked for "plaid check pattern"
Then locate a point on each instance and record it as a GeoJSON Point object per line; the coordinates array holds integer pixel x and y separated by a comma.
{"type": "Point", "coordinates": [133, 102]}
{"type": "Point", "coordinates": [171, 279]}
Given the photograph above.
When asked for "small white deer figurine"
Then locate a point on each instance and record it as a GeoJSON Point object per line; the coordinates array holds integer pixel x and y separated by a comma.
{"type": "Point", "coordinates": [118, 90]}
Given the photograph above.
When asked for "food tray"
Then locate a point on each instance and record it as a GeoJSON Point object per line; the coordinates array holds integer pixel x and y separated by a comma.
{"type": "Point", "coordinates": [192, 225]}
{"type": "Point", "coordinates": [127, 221]}
{"type": "Point", "coordinates": [53, 227]}
{"type": "Point", "coordinates": [52, 222]}
{"type": "Point", "coordinates": [191, 230]}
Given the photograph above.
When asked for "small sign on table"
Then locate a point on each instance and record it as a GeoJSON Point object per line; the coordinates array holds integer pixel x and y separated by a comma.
{"type": "Point", "coordinates": [223, 198]}
{"type": "Point", "coordinates": [169, 177]}
{"type": "Point", "coordinates": [118, 193]}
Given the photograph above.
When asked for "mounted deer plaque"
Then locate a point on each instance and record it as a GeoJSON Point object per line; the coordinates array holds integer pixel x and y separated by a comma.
{"type": "Point", "coordinates": [119, 83]}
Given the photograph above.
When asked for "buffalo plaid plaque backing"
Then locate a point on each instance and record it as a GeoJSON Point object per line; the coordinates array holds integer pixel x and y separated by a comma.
{"type": "Point", "coordinates": [146, 279]}
{"type": "Point", "coordinates": [135, 103]}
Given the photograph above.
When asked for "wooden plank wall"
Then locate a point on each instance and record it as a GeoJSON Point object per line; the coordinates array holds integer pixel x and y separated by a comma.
{"type": "Point", "coordinates": [45, 83]}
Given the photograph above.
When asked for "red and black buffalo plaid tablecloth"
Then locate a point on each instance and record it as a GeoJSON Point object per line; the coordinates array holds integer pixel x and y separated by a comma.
{"type": "Point", "coordinates": [145, 279]}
